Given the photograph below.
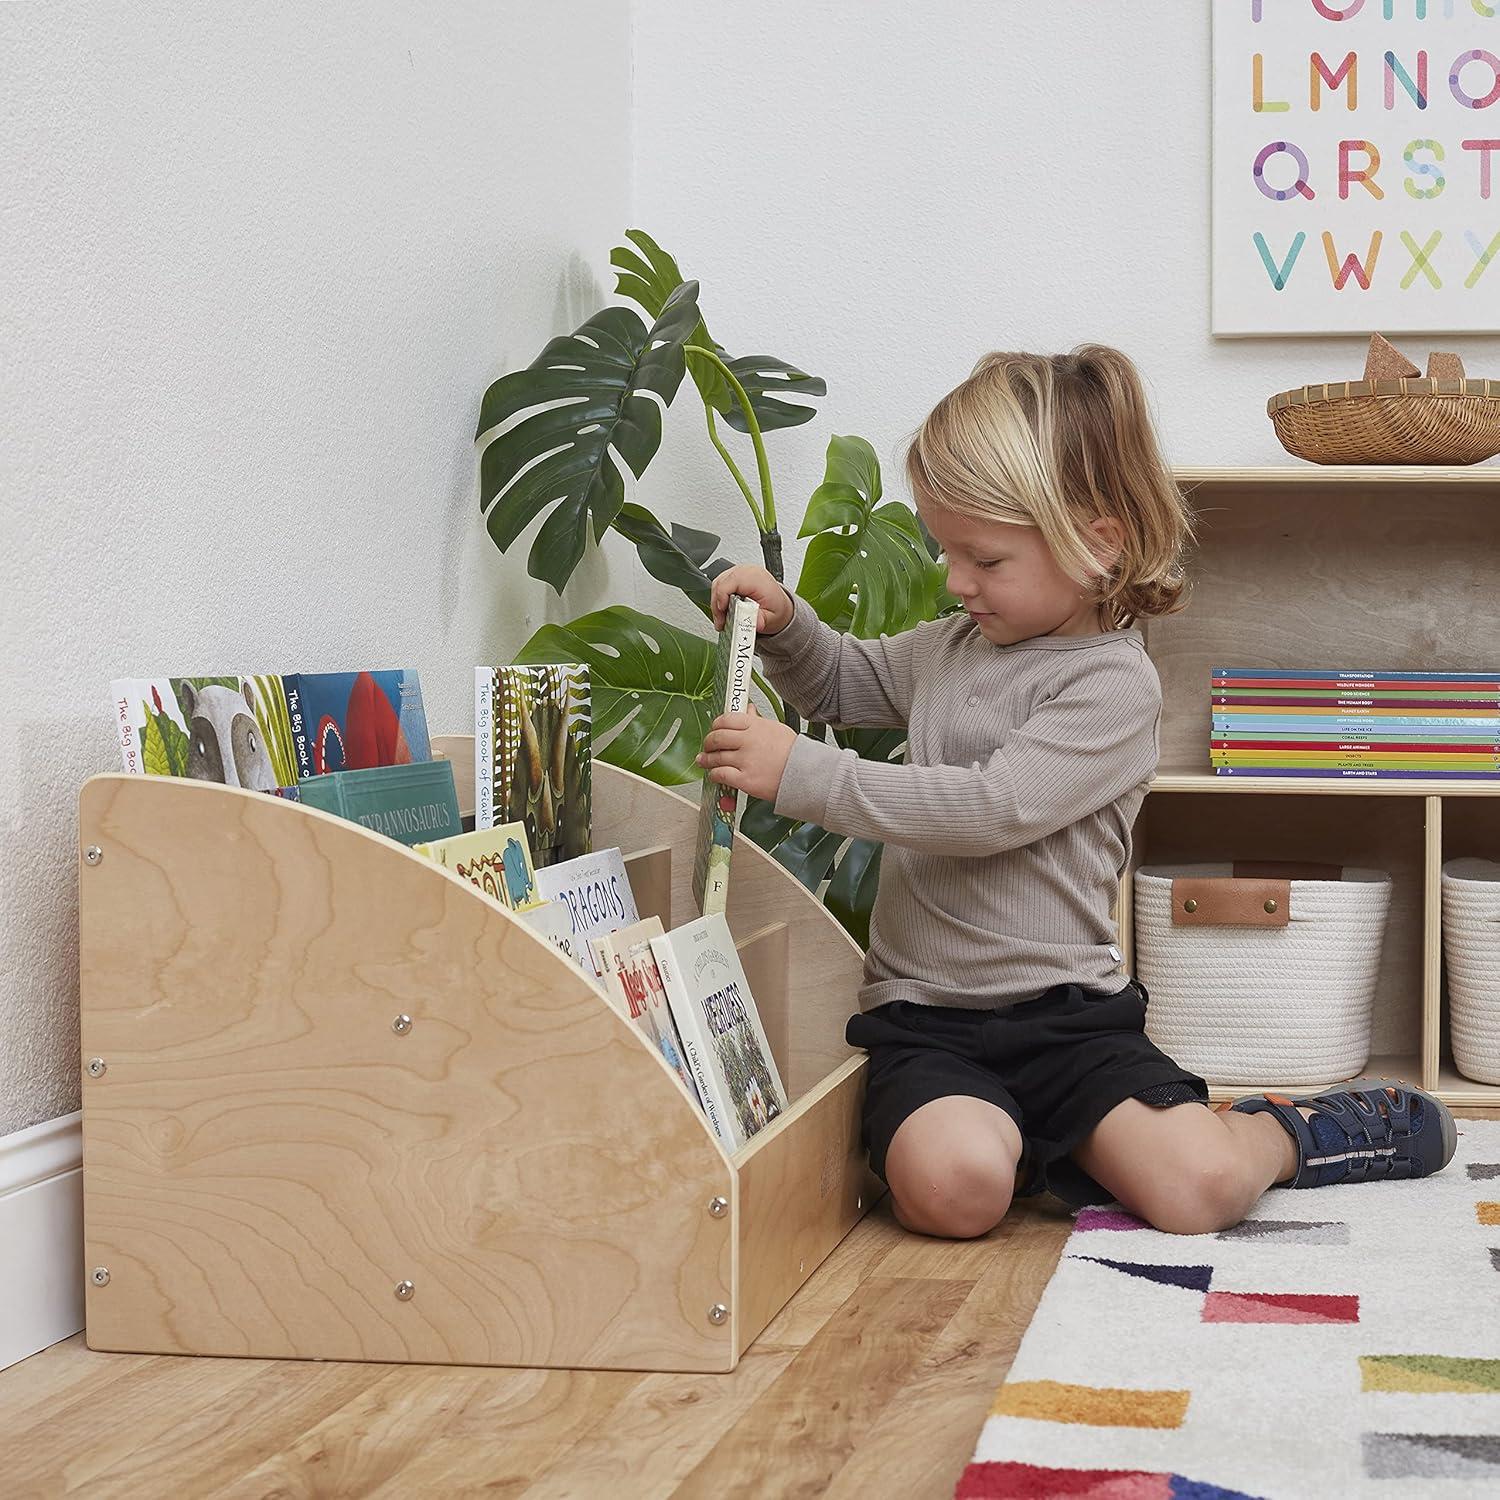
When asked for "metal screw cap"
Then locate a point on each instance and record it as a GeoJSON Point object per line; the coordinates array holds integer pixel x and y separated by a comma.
{"type": "Point", "coordinates": [718, 1313]}
{"type": "Point", "coordinates": [401, 1025]}
{"type": "Point", "coordinates": [1190, 905]}
{"type": "Point", "coordinates": [1270, 906]}
{"type": "Point", "coordinates": [93, 854]}
{"type": "Point", "coordinates": [719, 1207]}
{"type": "Point", "coordinates": [404, 1291]}
{"type": "Point", "coordinates": [97, 1067]}
{"type": "Point", "coordinates": [99, 1275]}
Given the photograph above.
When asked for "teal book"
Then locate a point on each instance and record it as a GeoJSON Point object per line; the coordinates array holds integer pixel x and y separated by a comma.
{"type": "Point", "coordinates": [413, 804]}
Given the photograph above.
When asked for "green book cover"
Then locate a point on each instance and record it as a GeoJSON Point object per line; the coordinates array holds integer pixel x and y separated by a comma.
{"type": "Point", "coordinates": [413, 804]}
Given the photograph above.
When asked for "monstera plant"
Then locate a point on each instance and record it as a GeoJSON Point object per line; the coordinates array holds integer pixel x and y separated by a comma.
{"type": "Point", "coordinates": [598, 394]}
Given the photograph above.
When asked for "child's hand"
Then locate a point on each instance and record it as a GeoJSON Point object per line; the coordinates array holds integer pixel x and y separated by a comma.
{"type": "Point", "coordinates": [758, 584]}
{"type": "Point", "coordinates": [748, 752]}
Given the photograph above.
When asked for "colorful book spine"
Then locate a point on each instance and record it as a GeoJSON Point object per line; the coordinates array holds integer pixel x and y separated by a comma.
{"type": "Point", "coordinates": [1468, 703]}
{"type": "Point", "coordinates": [1363, 772]}
{"type": "Point", "coordinates": [719, 806]}
{"type": "Point", "coordinates": [1356, 724]}
{"type": "Point", "coordinates": [1394, 747]}
{"type": "Point", "coordinates": [1262, 674]}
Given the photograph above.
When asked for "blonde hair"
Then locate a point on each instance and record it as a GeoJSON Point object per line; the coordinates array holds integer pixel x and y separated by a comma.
{"type": "Point", "coordinates": [1057, 441]}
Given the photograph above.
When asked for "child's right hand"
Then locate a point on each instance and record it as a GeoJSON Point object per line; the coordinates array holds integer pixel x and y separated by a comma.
{"type": "Point", "coordinates": [753, 583]}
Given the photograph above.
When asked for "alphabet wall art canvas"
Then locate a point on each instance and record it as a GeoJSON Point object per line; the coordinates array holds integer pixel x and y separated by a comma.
{"type": "Point", "coordinates": [1356, 166]}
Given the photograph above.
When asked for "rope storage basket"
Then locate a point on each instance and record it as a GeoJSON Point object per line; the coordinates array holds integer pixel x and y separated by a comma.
{"type": "Point", "coordinates": [1395, 415]}
{"type": "Point", "coordinates": [1471, 946]}
{"type": "Point", "coordinates": [1257, 975]}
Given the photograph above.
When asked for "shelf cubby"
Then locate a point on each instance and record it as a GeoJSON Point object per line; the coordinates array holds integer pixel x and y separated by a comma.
{"type": "Point", "coordinates": [1341, 568]}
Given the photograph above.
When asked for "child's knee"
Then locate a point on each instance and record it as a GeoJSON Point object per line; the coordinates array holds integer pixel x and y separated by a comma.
{"type": "Point", "coordinates": [1210, 1193]}
{"type": "Point", "coordinates": [962, 1195]}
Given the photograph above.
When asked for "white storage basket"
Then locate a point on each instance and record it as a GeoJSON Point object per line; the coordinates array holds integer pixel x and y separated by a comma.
{"type": "Point", "coordinates": [1256, 977]}
{"type": "Point", "coordinates": [1471, 946]}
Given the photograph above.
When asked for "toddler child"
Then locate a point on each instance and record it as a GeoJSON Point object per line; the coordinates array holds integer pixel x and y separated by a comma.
{"type": "Point", "coordinates": [1007, 1044]}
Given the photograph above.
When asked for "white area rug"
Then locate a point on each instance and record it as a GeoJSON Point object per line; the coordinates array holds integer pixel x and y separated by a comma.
{"type": "Point", "coordinates": [1342, 1341]}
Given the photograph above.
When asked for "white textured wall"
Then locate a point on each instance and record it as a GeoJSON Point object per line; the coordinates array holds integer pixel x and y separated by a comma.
{"type": "Point", "coordinates": [257, 266]}
{"type": "Point", "coordinates": [882, 191]}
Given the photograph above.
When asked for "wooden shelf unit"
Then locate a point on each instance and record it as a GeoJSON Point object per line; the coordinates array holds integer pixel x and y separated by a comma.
{"type": "Point", "coordinates": [1337, 567]}
{"type": "Point", "coordinates": [274, 1168]}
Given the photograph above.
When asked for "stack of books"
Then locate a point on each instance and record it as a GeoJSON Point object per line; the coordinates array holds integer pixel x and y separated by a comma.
{"type": "Point", "coordinates": [1294, 721]}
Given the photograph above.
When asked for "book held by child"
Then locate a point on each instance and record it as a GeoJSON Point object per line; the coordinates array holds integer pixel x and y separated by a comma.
{"type": "Point", "coordinates": [734, 665]}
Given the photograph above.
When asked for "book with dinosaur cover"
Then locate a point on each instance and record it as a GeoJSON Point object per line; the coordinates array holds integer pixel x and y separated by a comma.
{"type": "Point", "coordinates": [350, 721]}
{"type": "Point", "coordinates": [631, 978]}
{"type": "Point", "coordinates": [495, 859]}
{"type": "Point", "coordinates": [595, 891]}
{"type": "Point", "coordinates": [722, 1037]}
{"type": "Point", "coordinates": [734, 665]}
{"type": "Point", "coordinates": [233, 730]}
{"type": "Point", "coordinates": [412, 804]}
{"type": "Point", "coordinates": [533, 748]}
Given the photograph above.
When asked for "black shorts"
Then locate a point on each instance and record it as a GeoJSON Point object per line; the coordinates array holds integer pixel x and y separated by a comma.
{"type": "Point", "coordinates": [1056, 1065]}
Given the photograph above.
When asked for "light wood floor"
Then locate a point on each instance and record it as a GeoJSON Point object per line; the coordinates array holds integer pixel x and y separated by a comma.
{"type": "Point", "coordinates": [873, 1381]}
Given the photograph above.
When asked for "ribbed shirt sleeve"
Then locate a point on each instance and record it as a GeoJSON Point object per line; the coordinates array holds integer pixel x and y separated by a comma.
{"type": "Point", "coordinates": [841, 679]}
{"type": "Point", "coordinates": [1083, 747]}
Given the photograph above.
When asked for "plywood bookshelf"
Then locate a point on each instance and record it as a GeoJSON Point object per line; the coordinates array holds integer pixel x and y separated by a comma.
{"type": "Point", "coordinates": [512, 1175]}
{"type": "Point", "coordinates": [1339, 567]}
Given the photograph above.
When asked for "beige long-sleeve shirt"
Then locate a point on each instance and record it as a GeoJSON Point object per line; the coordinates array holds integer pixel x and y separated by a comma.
{"type": "Point", "coordinates": [1008, 826]}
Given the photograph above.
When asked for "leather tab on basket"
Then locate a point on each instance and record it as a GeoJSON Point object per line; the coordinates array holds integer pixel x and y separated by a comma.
{"type": "Point", "coordinates": [1285, 869]}
{"type": "Point", "coordinates": [1444, 367]}
{"type": "Point", "coordinates": [1205, 902]}
{"type": "Point", "coordinates": [1385, 362]}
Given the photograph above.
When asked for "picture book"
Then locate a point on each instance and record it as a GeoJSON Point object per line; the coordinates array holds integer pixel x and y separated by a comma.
{"type": "Point", "coordinates": [631, 978]}
{"type": "Point", "coordinates": [550, 920]}
{"type": "Point", "coordinates": [594, 889]}
{"type": "Point", "coordinates": [719, 815]}
{"type": "Point", "coordinates": [412, 804]}
{"type": "Point", "coordinates": [722, 1037]}
{"type": "Point", "coordinates": [533, 756]}
{"type": "Point", "coordinates": [497, 860]}
{"type": "Point", "coordinates": [233, 730]}
{"type": "Point", "coordinates": [351, 721]}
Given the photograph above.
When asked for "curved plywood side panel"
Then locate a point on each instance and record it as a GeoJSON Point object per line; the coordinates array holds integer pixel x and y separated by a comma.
{"type": "Point", "coordinates": [266, 1157]}
{"type": "Point", "coordinates": [824, 964]}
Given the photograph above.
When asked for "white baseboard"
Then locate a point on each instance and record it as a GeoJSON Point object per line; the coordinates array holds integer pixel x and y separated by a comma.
{"type": "Point", "coordinates": [41, 1236]}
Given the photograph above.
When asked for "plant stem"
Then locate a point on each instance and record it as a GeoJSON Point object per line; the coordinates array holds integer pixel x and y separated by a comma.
{"type": "Point", "coordinates": [766, 517]}
{"type": "Point", "coordinates": [739, 479]}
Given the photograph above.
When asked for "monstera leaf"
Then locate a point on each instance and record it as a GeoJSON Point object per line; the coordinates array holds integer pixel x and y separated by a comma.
{"type": "Point", "coordinates": [877, 576]}
{"type": "Point", "coordinates": [650, 681]}
{"type": "Point", "coordinates": [650, 279]}
{"type": "Point", "coordinates": [610, 374]}
{"type": "Point", "coordinates": [679, 556]}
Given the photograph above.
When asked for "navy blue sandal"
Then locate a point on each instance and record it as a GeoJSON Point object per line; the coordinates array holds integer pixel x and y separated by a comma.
{"type": "Point", "coordinates": [1381, 1130]}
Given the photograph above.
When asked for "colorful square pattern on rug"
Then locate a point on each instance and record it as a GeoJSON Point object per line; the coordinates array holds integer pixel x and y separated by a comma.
{"type": "Point", "coordinates": [1339, 1336]}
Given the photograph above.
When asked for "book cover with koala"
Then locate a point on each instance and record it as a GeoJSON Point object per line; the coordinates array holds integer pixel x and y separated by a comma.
{"type": "Point", "coordinates": [229, 729]}
{"type": "Point", "coordinates": [720, 1027]}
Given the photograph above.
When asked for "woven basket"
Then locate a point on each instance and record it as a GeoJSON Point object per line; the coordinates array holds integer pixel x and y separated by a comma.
{"type": "Point", "coordinates": [1471, 946]}
{"type": "Point", "coordinates": [1258, 978]}
{"type": "Point", "coordinates": [1395, 415]}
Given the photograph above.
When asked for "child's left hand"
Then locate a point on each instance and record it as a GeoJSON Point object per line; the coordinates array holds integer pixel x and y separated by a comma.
{"type": "Point", "coordinates": [749, 752]}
